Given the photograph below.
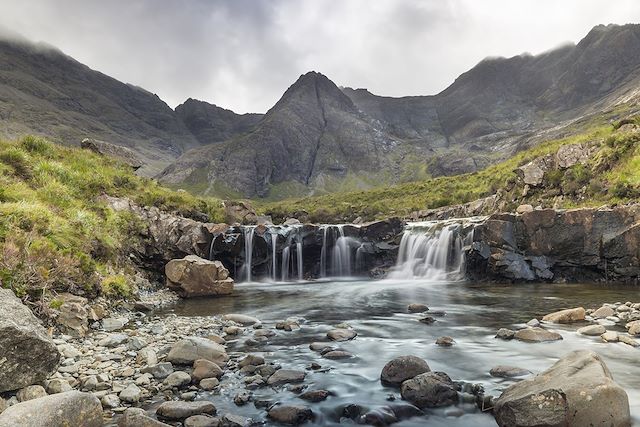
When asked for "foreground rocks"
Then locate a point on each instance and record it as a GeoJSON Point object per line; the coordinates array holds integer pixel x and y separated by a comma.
{"type": "Point", "coordinates": [193, 276]}
{"type": "Point", "coordinates": [430, 390]}
{"type": "Point", "coordinates": [401, 369]}
{"type": "Point", "coordinates": [27, 353]}
{"type": "Point", "coordinates": [578, 390]}
{"type": "Point", "coordinates": [565, 316]}
{"type": "Point", "coordinates": [72, 408]}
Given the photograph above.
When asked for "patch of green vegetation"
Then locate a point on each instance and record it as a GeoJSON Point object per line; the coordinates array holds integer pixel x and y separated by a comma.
{"type": "Point", "coordinates": [56, 235]}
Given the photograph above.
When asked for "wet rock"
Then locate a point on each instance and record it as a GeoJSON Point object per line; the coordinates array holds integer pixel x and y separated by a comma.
{"type": "Point", "coordinates": [290, 414]}
{"type": "Point", "coordinates": [27, 352]}
{"type": "Point", "coordinates": [592, 330]}
{"type": "Point", "coordinates": [242, 399]}
{"type": "Point", "coordinates": [136, 417]}
{"type": "Point", "coordinates": [178, 379]}
{"type": "Point", "coordinates": [201, 421]}
{"type": "Point", "coordinates": [337, 354]}
{"type": "Point", "coordinates": [193, 276]}
{"type": "Point", "coordinates": [242, 319]}
{"type": "Point", "coordinates": [203, 368]}
{"type": "Point", "coordinates": [286, 376]}
{"type": "Point", "coordinates": [30, 392]}
{"type": "Point", "coordinates": [578, 390]}
{"type": "Point", "coordinates": [288, 325]}
{"type": "Point", "coordinates": [58, 385]}
{"type": "Point", "coordinates": [609, 336]}
{"type": "Point", "coordinates": [209, 383]}
{"type": "Point", "coordinates": [72, 408]}
{"type": "Point", "coordinates": [379, 417]}
{"type": "Point", "coordinates": [505, 334]}
{"type": "Point", "coordinates": [251, 360]}
{"type": "Point", "coordinates": [430, 390]}
{"type": "Point", "coordinates": [508, 372]}
{"type": "Point", "coordinates": [603, 312]}
{"type": "Point", "coordinates": [534, 323]}
{"type": "Point", "coordinates": [131, 394]}
{"type": "Point", "coordinates": [628, 340]}
{"type": "Point", "coordinates": [315, 395]}
{"type": "Point", "coordinates": [427, 320]}
{"type": "Point", "coordinates": [319, 346]}
{"type": "Point", "coordinates": [188, 350]}
{"type": "Point", "coordinates": [633, 327]}
{"type": "Point", "coordinates": [159, 371]}
{"type": "Point", "coordinates": [233, 420]}
{"type": "Point", "coordinates": [180, 410]}
{"type": "Point", "coordinates": [445, 341]}
{"type": "Point", "coordinates": [417, 308]}
{"type": "Point", "coordinates": [566, 316]}
{"type": "Point", "coordinates": [341, 334]}
{"type": "Point", "coordinates": [537, 335]}
{"type": "Point", "coordinates": [401, 369]}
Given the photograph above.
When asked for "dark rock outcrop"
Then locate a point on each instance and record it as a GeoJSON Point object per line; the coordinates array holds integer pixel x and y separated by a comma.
{"type": "Point", "coordinates": [27, 353]}
{"type": "Point", "coordinates": [119, 152]}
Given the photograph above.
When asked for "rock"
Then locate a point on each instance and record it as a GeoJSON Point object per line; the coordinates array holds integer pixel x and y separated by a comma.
{"type": "Point", "coordinates": [577, 390]}
{"type": "Point", "coordinates": [30, 392]}
{"type": "Point", "coordinates": [136, 417]}
{"type": "Point", "coordinates": [110, 401]}
{"type": "Point", "coordinates": [203, 368]}
{"type": "Point", "coordinates": [524, 209]}
{"type": "Point", "coordinates": [628, 340]}
{"type": "Point", "coordinates": [131, 394]}
{"type": "Point", "coordinates": [27, 353]}
{"type": "Point", "coordinates": [505, 334]}
{"type": "Point", "coordinates": [73, 316]}
{"type": "Point", "coordinates": [633, 327]}
{"type": "Point", "coordinates": [427, 320]}
{"type": "Point", "coordinates": [533, 172]}
{"type": "Point", "coordinates": [286, 376]}
{"type": "Point", "coordinates": [241, 212]}
{"type": "Point", "coordinates": [603, 312]}
{"type": "Point", "coordinates": [341, 334]}
{"type": "Point", "coordinates": [58, 385]}
{"type": "Point", "coordinates": [534, 323]}
{"type": "Point", "coordinates": [136, 343]}
{"type": "Point", "coordinates": [290, 414]}
{"type": "Point", "coordinates": [445, 341]}
{"type": "Point", "coordinates": [319, 346]}
{"type": "Point", "coordinates": [233, 420]}
{"type": "Point", "coordinates": [147, 356]}
{"type": "Point", "coordinates": [159, 371]}
{"type": "Point", "coordinates": [429, 390]}
{"type": "Point", "coordinates": [72, 408]}
{"type": "Point", "coordinates": [242, 319]}
{"type": "Point", "coordinates": [111, 324]}
{"type": "Point", "coordinates": [609, 336]}
{"type": "Point", "coordinates": [536, 335]}
{"type": "Point", "coordinates": [241, 399]}
{"type": "Point", "coordinates": [209, 383]}
{"type": "Point", "coordinates": [315, 395]}
{"type": "Point", "coordinates": [565, 316]}
{"type": "Point", "coordinates": [508, 372]}
{"type": "Point", "coordinates": [124, 154]}
{"type": "Point", "coordinates": [402, 368]}
{"type": "Point", "coordinates": [417, 308]}
{"type": "Point", "coordinates": [251, 360]}
{"type": "Point", "coordinates": [178, 379]}
{"type": "Point", "coordinates": [113, 340]}
{"type": "Point", "coordinates": [201, 421]}
{"type": "Point", "coordinates": [176, 410]}
{"type": "Point", "coordinates": [571, 154]}
{"type": "Point", "coordinates": [187, 351]}
{"type": "Point", "coordinates": [193, 276]}
{"type": "Point", "coordinates": [592, 330]}
{"type": "Point", "coordinates": [337, 354]}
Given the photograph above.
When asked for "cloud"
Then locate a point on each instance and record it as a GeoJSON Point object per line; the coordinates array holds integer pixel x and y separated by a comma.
{"type": "Point", "coordinates": [243, 54]}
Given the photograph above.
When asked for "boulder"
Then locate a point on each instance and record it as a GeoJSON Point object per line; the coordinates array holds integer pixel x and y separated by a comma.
{"type": "Point", "coordinates": [578, 390]}
{"type": "Point", "coordinates": [242, 319]}
{"type": "Point", "coordinates": [603, 312]}
{"type": "Point", "coordinates": [505, 334]}
{"type": "Point", "coordinates": [533, 172]}
{"type": "Point", "coordinates": [401, 369]}
{"type": "Point", "coordinates": [73, 317]}
{"type": "Point", "coordinates": [592, 330]}
{"type": "Point", "coordinates": [124, 154]}
{"type": "Point", "coordinates": [187, 351]}
{"type": "Point", "coordinates": [292, 415]}
{"type": "Point", "coordinates": [177, 379]}
{"type": "Point", "coordinates": [238, 211]}
{"type": "Point", "coordinates": [177, 410]}
{"type": "Point", "coordinates": [566, 316]}
{"type": "Point", "coordinates": [193, 276]}
{"type": "Point", "coordinates": [27, 353]}
{"type": "Point", "coordinates": [136, 417]}
{"type": "Point", "coordinates": [72, 408]}
{"type": "Point", "coordinates": [315, 395]}
{"type": "Point", "coordinates": [508, 372]}
{"type": "Point", "coordinates": [203, 368]}
{"type": "Point", "coordinates": [633, 327]}
{"type": "Point", "coordinates": [286, 376]}
{"type": "Point", "coordinates": [341, 334]}
{"type": "Point", "coordinates": [430, 390]}
{"type": "Point", "coordinates": [570, 155]}
{"type": "Point", "coordinates": [537, 335]}
{"type": "Point", "coordinates": [201, 421]}
{"type": "Point", "coordinates": [31, 392]}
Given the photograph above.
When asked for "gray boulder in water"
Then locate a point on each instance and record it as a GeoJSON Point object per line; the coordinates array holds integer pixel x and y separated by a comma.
{"type": "Point", "coordinates": [578, 390]}
{"type": "Point", "coordinates": [27, 353]}
{"type": "Point", "coordinates": [72, 408]}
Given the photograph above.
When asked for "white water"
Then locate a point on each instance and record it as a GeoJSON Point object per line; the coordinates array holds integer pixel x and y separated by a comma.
{"type": "Point", "coordinates": [249, 232]}
{"type": "Point", "coordinates": [274, 261]}
{"type": "Point", "coordinates": [340, 254]}
{"type": "Point", "coordinates": [433, 250]}
{"type": "Point", "coordinates": [294, 237]}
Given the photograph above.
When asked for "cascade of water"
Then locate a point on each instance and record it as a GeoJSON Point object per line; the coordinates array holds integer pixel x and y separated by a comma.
{"type": "Point", "coordinates": [274, 243]}
{"type": "Point", "coordinates": [342, 254]}
{"type": "Point", "coordinates": [299, 259]}
{"type": "Point", "coordinates": [323, 252]}
{"type": "Point", "coordinates": [249, 232]}
{"type": "Point", "coordinates": [285, 264]}
{"type": "Point", "coordinates": [433, 250]}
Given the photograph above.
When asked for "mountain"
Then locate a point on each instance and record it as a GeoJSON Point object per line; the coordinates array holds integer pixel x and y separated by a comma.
{"type": "Point", "coordinates": [314, 140]}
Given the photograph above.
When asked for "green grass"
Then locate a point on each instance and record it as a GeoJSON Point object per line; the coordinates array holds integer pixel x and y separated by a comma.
{"type": "Point", "coordinates": [55, 236]}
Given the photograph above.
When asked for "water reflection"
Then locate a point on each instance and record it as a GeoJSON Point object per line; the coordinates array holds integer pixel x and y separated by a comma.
{"type": "Point", "coordinates": [377, 311]}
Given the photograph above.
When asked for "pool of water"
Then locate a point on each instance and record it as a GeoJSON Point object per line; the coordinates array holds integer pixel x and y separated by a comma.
{"type": "Point", "coordinates": [377, 310]}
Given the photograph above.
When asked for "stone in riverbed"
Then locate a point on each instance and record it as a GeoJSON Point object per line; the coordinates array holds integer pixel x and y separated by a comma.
{"type": "Point", "coordinates": [315, 395]}
{"type": "Point", "coordinates": [291, 414]}
{"type": "Point", "coordinates": [27, 353]}
{"type": "Point", "coordinates": [72, 408]}
{"type": "Point", "coordinates": [233, 420]}
{"type": "Point", "coordinates": [111, 324]}
{"type": "Point", "coordinates": [201, 421]}
{"type": "Point", "coordinates": [159, 371]}
{"type": "Point", "coordinates": [242, 319]}
{"type": "Point", "coordinates": [427, 320]}
{"type": "Point", "coordinates": [251, 360]}
{"type": "Point", "coordinates": [603, 312]}
{"type": "Point", "coordinates": [633, 327]}
{"type": "Point", "coordinates": [58, 385]}
{"type": "Point", "coordinates": [578, 390]}
{"type": "Point", "coordinates": [505, 334]}
{"type": "Point", "coordinates": [286, 376]}
{"type": "Point", "coordinates": [319, 346]}
{"type": "Point", "coordinates": [110, 401]}
{"type": "Point", "coordinates": [341, 334]}
{"type": "Point", "coordinates": [508, 372]}
{"type": "Point", "coordinates": [30, 392]}
{"type": "Point", "coordinates": [193, 276]}
{"type": "Point", "coordinates": [337, 354]}
{"type": "Point", "coordinates": [430, 390]}
{"type": "Point", "coordinates": [537, 335]}
{"type": "Point", "coordinates": [131, 394]}
{"type": "Point", "coordinates": [445, 341]}
{"type": "Point", "coordinates": [205, 369]}
{"type": "Point", "coordinates": [566, 316]}
{"type": "Point", "coordinates": [176, 410]}
{"type": "Point", "coordinates": [136, 417]}
{"type": "Point", "coordinates": [188, 350]}
{"type": "Point", "coordinates": [401, 369]}
{"type": "Point", "coordinates": [178, 379]}
{"type": "Point", "coordinates": [609, 336]}
{"type": "Point", "coordinates": [628, 340]}
{"type": "Point", "coordinates": [592, 330]}
{"type": "Point", "coordinates": [209, 384]}
{"type": "Point", "coordinates": [417, 308]}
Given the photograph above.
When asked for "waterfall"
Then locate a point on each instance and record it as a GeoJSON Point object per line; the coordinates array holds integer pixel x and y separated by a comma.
{"type": "Point", "coordinates": [294, 238]}
{"type": "Point", "coordinates": [274, 263]}
{"type": "Point", "coordinates": [249, 232]}
{"type": "Point", "coordinates": [299, 258]}
{"type": "Point", "coordinates": [323, 252]}
{"type": "Point", "coordinates": [433, 250]}
{"type": "Point", "coordinates": [340, 253]}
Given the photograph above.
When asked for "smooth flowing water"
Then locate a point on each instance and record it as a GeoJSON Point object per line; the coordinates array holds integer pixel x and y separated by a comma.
{"type": "Point", "coordinates": [377, 310]}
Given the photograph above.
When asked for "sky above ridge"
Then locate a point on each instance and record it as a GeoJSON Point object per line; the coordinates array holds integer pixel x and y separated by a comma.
{"type": "Point", "coordinates": [243, 54]}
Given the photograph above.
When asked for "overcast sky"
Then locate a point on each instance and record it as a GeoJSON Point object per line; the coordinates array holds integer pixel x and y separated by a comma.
{"type": "Point", "coordinates": [243, 54]}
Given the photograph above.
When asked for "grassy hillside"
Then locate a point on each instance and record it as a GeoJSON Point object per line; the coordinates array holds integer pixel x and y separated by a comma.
{"type": "Point", "coordinates": [55, 236]}
{"type": "Point", "coordinates": [612, 175]}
